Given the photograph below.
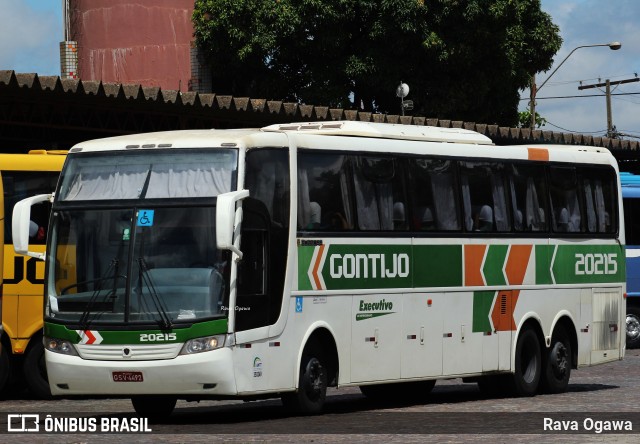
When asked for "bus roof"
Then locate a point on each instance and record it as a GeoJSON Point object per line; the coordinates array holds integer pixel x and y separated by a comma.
{"type": "Point", "coordinates": [385, 131]}
{"type": "Point", "coordinates": [330, 135]}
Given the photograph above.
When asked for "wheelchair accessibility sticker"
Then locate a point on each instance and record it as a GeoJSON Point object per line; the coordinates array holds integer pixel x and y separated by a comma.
{"type": "Point", "coordinates": [298, 304]}
{"type": "Point", "coordinates": [145, 218]}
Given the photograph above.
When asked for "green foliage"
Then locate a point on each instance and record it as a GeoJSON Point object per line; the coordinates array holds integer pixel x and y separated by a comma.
{"type": "Point", "coordinates": [463, 60]}
{"type": "Point", "coordinates": [524, 120]}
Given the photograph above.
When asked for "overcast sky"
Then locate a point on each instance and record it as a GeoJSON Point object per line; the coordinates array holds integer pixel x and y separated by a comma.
{"type": "Point", "coordinates": [32, 29]}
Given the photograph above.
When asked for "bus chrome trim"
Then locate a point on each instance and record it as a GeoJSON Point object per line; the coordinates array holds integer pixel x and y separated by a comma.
{"type": "Point", "coordinates": [133, 352]}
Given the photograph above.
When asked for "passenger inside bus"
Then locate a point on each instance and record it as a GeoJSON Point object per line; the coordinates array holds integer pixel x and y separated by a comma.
{"type": "Point", "coordinates": [485, 219]}
{"type": "Point", "coordinates": [428, 223]}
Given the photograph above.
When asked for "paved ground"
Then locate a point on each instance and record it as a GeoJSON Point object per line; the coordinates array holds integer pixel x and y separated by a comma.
{"type": "Point", "coordinates": [454, 412]}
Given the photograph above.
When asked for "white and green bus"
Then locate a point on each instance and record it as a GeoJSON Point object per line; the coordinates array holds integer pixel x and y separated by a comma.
{"type": "Point", "coordinates": [277, 262]}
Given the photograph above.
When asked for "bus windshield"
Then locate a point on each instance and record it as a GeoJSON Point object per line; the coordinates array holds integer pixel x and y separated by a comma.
{"type": "Point", "coordinates": [152, 257]}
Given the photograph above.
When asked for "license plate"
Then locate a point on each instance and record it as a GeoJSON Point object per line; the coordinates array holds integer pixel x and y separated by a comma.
{"type": "Point", "coordinates": [127, 376]}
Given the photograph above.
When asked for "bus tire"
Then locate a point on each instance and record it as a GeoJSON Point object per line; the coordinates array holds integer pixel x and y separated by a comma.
{"type": "Point", "coordinates": [633, 327]}
{"type": "Point", "coordinates": [556, 364]}
{"type": "Point", "coordinates": [156, 408]}
{"type": "Point", "coordinates": [35, 370]}
{"type": "Point", "coordinates": [528, 364]}
{"type": "Point", "coordinates": [5, 369]}
{"type": "Point", "coordinates": [312, 387]}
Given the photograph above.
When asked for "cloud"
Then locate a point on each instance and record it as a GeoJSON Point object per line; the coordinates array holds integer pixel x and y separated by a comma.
{"type": "Point", "coordinates": [30, 35]}
{"type": "Point", "coordinates": [587, 22]}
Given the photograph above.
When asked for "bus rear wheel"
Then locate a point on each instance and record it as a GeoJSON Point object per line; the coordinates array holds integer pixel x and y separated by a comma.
{"type": "Point", "coordinates": [528, 365]}
{"type": "Point", "coordinates": [633, 327]}
{"type": "Point", "coordinates": [156, 408]}
{"type": "Point", "coordinates": [312, 387]}
{"type": "Point", "coordinates": [557, 363]}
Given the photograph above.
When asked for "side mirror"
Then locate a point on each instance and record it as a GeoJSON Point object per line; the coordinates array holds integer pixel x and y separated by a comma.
{"type": "Point", "coordinates": [228, 220]}
{"type": "Point", "coordinates": [21, 221]}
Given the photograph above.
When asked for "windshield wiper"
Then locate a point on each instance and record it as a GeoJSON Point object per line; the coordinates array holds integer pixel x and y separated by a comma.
{"type": "Point", "coordinates": [165, 321]}
{"type": "Point", "coordinates": [84, 318]}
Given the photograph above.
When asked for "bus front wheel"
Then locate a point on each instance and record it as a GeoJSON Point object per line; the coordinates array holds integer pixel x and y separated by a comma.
{"type": "Point", "coordinates": [35, 370]}
{"type": "Point", "coordinates": [156, 408]}
{"type": "Point", "coordinates": [528, 364]}
{"type": "Point", "coordinates": [312, 387]}
{"type": "Point", "coordinates": [557, 363]}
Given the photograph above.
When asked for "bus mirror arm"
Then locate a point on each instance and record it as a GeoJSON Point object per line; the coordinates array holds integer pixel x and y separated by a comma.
{"type": "Point", "coordinates": [228, 220]}
{"type": "Point", "coordinates": [20, 224]}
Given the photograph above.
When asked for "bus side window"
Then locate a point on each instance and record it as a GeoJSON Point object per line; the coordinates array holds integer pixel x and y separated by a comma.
{"type": "Point", "coordinates": [483, 189]}
{"type": "Point", "coordinates": [379, 194]}
{"type": "Point", "coordinates": [435, 205]}
{"type": "Point", "coordinates": [598, 189]}
{"type": "Point", "coordinates": [324, 195]}
{"type": "Point", "coordinates": [528, 197]}
{"type": "Point", "coordinates": [563, 190]}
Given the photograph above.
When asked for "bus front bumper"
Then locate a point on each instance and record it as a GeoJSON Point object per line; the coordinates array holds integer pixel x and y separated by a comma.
{"type": "Point", "coordinates": [207, 373]}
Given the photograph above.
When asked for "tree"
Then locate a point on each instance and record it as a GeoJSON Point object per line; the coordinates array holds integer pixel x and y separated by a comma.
{"type": "Point", "coordinates": [464, 60]}
{"type": "Point", "coordinates": [524, 119]}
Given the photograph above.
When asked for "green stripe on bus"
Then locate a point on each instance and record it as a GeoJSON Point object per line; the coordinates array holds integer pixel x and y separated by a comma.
{"type": "Point", "coordinates": [482, 302]}
{"type": "Point", "coordinates": [494, 263]}
{"type": "Point", "coordinates": [544, 253]}
{"type": "Point", "coordinates": [588, 264]}
{"type": "Point", "coordinates": [350, 267]}
{"type": "Point", "coordinates": [120, 337]}
{"type": "Point", "coordinates": [305, 254]}
{"type": "Point", "coordinates": [437, 266]}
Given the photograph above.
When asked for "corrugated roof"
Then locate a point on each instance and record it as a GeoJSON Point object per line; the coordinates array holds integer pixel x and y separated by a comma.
{"type": "Point", "coordinates": [195, 110]}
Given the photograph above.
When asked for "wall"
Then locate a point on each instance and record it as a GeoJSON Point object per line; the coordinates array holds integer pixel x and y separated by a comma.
{"type": "Point", "coordinates": [145, 42]}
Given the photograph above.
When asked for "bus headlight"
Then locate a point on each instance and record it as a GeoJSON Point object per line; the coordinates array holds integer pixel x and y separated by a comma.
{"type": "Point", "coordinates": [199, 345]}
{"type": "Point", "coordinates": [60, 346]}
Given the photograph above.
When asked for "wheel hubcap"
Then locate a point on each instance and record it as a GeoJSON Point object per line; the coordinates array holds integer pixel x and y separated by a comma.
{"type": "Point", "coordinates": [314, 379]}
{"type": "Point", "coordinates": [560, 360]}
{"type": "Point", "coordinates": [633, 327]}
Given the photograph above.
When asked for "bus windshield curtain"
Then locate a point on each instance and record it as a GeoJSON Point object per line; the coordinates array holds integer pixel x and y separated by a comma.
{"type": "Point", "coordinates": [107, 182]}
{"type": "Point", "coordinates": [189, 180]}
{"type": "Point", "coordinates": [127, 181]}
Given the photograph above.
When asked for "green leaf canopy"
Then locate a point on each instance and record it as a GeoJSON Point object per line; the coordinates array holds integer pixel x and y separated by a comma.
{"type": "Point", "coordinates": [463, 60]}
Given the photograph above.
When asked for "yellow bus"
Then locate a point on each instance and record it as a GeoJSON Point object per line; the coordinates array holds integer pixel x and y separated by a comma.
{"type": "Point", "coordinates": [22, 356]}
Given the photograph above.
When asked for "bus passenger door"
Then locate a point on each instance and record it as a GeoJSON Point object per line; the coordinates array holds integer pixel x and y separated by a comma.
{"type": "Point", "coordinates": [422, 335]}
{"type": "Point", "coordinates": [376, 337]}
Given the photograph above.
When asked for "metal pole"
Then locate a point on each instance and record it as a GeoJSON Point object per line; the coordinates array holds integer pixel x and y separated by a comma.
{"type": "Point", "coordinates": [609, 117]}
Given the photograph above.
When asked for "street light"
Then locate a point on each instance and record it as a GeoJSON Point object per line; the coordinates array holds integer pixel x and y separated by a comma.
{"type": "Point", "coordinates": [614, 46]}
